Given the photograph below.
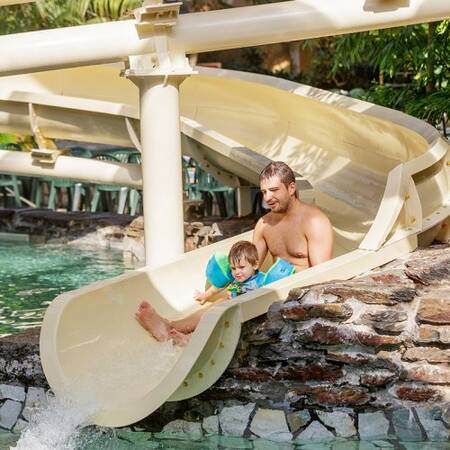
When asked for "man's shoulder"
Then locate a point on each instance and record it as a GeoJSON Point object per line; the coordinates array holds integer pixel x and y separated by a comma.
{"type": "Point", "coordinates": [307, 210]}
{"type": "Point", "coordinates": [314, 216]}
{"type": "Point", "coordinates": [267, 219]}
{"type": "Point", "coordinates": [313, 210]}
{"type": "Point", "coordinates": [263, 222]}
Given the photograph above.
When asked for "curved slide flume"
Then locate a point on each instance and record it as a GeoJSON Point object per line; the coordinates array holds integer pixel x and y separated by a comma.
{"type": "Point", "coordinates": [381, 176]}
{"type": "Point", "coordinates": [362, 168]}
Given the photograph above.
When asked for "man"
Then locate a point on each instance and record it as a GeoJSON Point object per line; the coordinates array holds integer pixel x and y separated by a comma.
{"type": "Point", "coordinates": [294, 231]}
{"type": "Point", "coordinates": [299, 233]}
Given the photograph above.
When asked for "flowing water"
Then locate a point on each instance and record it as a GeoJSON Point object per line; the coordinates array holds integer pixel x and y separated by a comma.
{"type": "Point", "coordinates": [59, 424]}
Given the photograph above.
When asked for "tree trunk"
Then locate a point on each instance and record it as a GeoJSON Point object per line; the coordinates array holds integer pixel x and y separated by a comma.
{"type": "Point", "coordinates": [294, 56]}
{"type": "Point", "coordinates": [430, 58]}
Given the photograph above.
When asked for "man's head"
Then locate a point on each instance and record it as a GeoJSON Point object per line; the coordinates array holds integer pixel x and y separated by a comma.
{"type": "Point", "coordinates": [243, 259]}
{"type": "Point", "coordinates": [277, 183]}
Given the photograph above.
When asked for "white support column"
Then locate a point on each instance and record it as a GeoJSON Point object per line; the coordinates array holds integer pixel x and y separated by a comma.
{"type": "Point", "coordinates": [158, 76]}
{"type": "Point", "coordinates": [161, 168]}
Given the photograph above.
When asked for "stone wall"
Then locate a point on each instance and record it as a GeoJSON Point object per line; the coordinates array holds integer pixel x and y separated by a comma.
{"type": "Point", "coordinates": [377, 341]}
{"type": "Point", "coordinates": [23, 387]}
{"type": "Point", "coordinates": [361, 359]}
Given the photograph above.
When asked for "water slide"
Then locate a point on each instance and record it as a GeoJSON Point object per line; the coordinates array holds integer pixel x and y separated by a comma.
{"type": "Point", "coordinates": [381, 176]}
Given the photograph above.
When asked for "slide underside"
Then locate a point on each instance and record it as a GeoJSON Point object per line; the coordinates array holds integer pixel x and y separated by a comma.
{"type": "Point", "coordinates": [382, 178]}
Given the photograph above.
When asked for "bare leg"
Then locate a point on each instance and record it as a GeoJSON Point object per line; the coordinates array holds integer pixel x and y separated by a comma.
{"type": "Point", "coordinates": [189, 324]}
{"type": "Point", "coordinates": [156, 325]}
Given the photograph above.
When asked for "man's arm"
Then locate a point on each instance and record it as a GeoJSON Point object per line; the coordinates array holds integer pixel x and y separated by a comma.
{"type": "Point", "coordinates": [319, 234]}
{"type": "Point", "coordinates": [260, 242]}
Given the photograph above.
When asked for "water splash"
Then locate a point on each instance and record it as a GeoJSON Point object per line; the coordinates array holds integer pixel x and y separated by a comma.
{"type": "Point", "coordinates": [56, 425]}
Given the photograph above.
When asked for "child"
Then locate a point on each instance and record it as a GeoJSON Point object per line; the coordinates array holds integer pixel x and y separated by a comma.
{"type": "Point", "coordinates": [244, 277]}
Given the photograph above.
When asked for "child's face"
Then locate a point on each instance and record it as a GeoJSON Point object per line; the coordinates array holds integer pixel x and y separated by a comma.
{"type": "Point", "coordinates": [242, 270]}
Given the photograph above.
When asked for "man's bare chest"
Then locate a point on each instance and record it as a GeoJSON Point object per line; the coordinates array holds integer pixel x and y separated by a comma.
{"type": "Point", "coordinates": [286, 239]}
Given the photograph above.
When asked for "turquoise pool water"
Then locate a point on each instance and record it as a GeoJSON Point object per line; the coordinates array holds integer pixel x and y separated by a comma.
{"type": "Point", "coordinates": [31, 276]}
{"type": "Point", "coordinates": [108, 439]}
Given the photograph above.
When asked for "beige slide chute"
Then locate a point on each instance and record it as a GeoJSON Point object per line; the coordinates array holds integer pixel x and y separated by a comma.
{"type": "Point", "coordinates": [381, 176]}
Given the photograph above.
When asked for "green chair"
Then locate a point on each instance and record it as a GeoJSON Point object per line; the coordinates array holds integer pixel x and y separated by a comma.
{"type": "Point", "coordinates": [135, 194]}
{"type": "Point", "coordinates": [11, 181]}
{"type": "Point", "coordinates": [37, 194]}
{"type": "Point", "coordinates": [208, 186]}
{"type": "Point", "coordinates": [190, 179]}
{"type": "Point", "coordinates": [112, 190]}
{"type": "Point", "coordinates": [76, 191]}
{"type": "Point", "coordinates": [82, 190]}
{"type": "Point", "coordinates": [80, 196]}
{"type": "Point", "coordinates": [80, 152]}
{"type": "Point", "coordinates": [11, 146]}
{"type": "Point", "coordinates": [122, 154]}
{"type": "Point", "coordinates": [57, 185]}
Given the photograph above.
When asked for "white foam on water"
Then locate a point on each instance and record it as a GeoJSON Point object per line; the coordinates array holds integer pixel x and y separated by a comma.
{"type": "Point", "coordinates": [56, 425]}
{"type": "Point", "coordinates": [109, 381]}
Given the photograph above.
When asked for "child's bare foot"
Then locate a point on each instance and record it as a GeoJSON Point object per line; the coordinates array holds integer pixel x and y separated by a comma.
{"type": "Point", "coordinates": [152, 322]}
{"type": "Point", "coordinates": [179, 338]}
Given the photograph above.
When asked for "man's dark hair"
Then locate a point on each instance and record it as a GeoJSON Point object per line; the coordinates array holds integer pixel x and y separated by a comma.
{"type": "Point", "coordinates": [278, 169]}
{"type": "Point", "coordinates": [243, 249]}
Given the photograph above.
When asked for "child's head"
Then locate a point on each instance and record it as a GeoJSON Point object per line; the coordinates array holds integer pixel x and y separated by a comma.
{"type": "Point", "coordinates": [243, 258]}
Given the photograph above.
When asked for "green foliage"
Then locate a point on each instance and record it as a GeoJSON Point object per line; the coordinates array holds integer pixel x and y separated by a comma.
{"type": "Point", "coordinates": [46, 14]}
{"type": "Point", "coordinates": [406, 68]}
{"type": "Point", "coordinates": [36, 16]}
{"type": "Point", "coordinates": [13, 142]}
{"type": "Point", "coordinates": [320, 73]}
{"type": "Point", "coordinates": [430, 108]}
{"type": "Point", "coordinates": [414, 102]}
{"type": "Point", "coordinates": [400, 53]}
{"type": "Point", "coordinates": [390, 97]}
{"type": "Point", "coordinates": [8, 138]}
{"type": "Point", "coordinates": [17, 18]}
{"type": "Point", "coordinates": [251, 61]}
{"type": "Point", "coordinates": [441, 48]}
{"type": "Point", "coordinates": [389, 51]}
{"type": "Point", "coordinates": [103, 10]}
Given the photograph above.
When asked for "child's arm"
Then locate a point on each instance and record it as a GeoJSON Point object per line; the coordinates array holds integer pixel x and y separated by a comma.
{"type": "Point", "coordinates": [203, 297]}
